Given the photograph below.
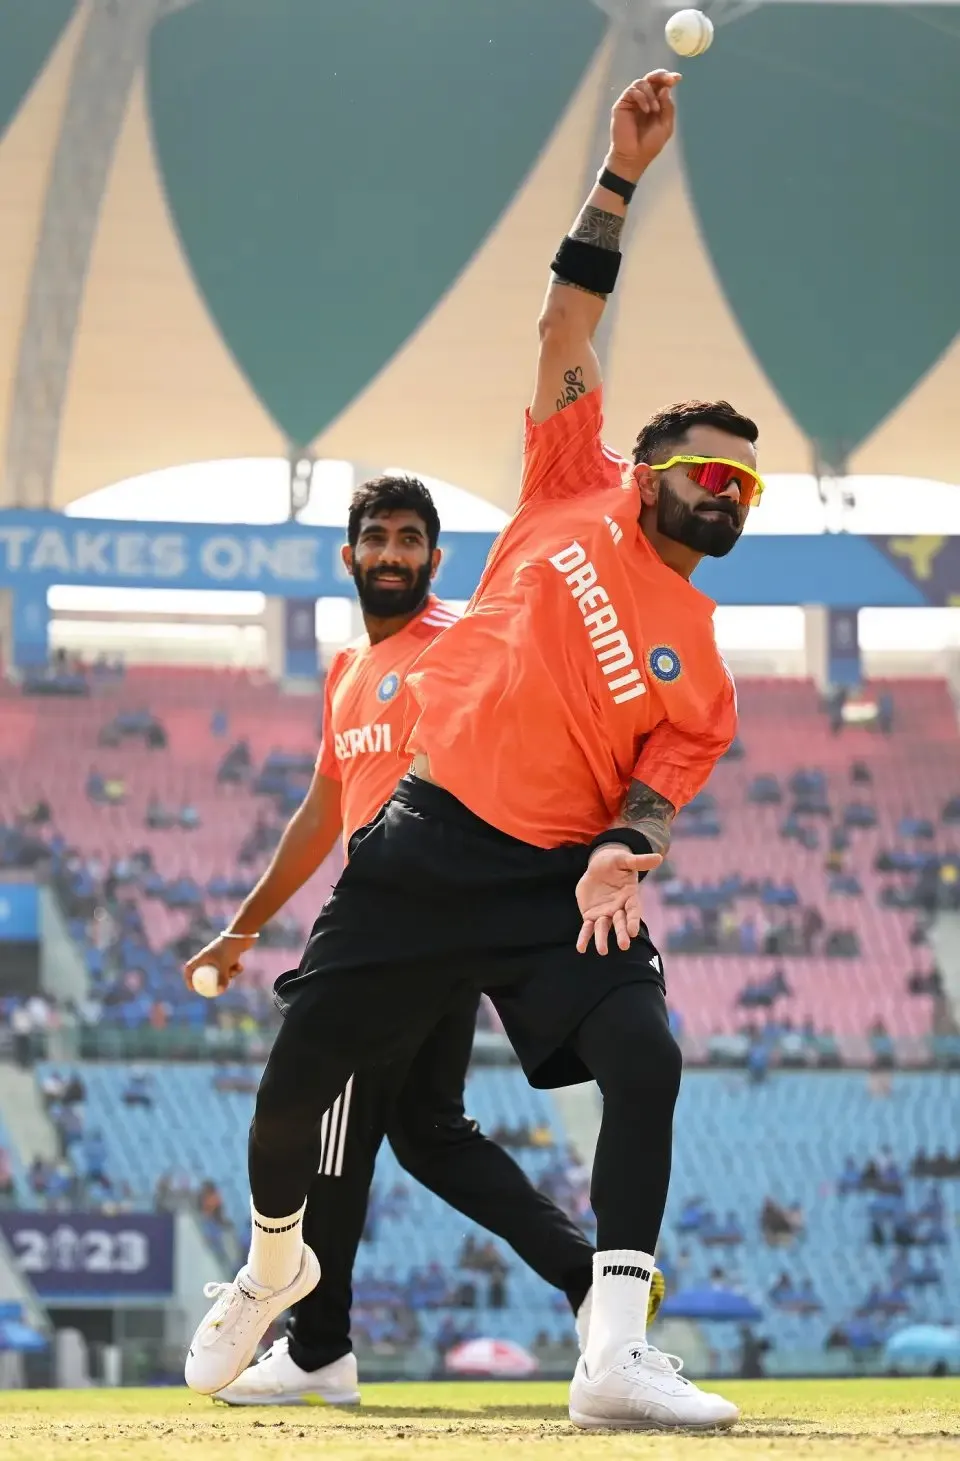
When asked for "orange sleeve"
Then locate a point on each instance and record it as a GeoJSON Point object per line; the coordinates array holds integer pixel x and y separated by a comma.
{"type": "Point", "coordinates": [564, 454]}
{"type": "Point", "coordinates": [327, 763]}
{"type": "Point", "coordinates": [676, 760]}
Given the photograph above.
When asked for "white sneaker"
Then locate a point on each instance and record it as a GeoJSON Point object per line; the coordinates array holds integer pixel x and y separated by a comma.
{"type": "Point", "coordinates": [276, 1380]}
{"type": "Point", "coordinates": [645, 1391]}
{"type": "Point", "coordinates": [226, 1339]}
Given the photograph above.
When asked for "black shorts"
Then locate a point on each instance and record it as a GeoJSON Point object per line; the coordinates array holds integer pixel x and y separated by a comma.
{"type": "Point", "coordinates": [434, 901]}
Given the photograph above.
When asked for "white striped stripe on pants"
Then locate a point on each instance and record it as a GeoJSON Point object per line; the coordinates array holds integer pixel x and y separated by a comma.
{"type": "Point", "coordinates": [333, 1133]}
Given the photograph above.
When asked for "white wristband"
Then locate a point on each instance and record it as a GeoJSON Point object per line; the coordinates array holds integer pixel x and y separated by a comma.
{"type": "Point", "coordinates": [225, 933]}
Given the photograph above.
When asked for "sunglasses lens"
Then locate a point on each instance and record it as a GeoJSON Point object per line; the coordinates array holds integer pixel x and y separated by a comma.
{"type": "Point", "coordinates": [715, 477]}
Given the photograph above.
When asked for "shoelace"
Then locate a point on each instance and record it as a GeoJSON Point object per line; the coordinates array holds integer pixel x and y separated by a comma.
{"type": "Point", "coordinates": [646, 1354]}
{"type": "Point", "coordinates": [229, 1297]}
{"type": "Point", "coordinates": [214, 1290]}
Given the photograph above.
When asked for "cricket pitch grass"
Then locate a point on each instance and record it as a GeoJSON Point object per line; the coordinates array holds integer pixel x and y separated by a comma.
{"type": "Point", "coordinates": [849, 1419]}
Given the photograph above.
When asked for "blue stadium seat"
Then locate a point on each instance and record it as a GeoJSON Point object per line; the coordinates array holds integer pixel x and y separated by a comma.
{"type": "Point", "coordinates": [735, 1145]}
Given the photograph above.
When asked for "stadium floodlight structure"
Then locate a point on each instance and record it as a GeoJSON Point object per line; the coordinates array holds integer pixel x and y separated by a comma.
{"type": "Point", "coordinates": [108, 59]}
{"type": "Point", "coordinates": [163, 312]}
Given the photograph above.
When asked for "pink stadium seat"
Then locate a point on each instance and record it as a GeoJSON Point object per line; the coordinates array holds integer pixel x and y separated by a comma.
{"type": "Point", "coordinates": [49, 747]}
{"type": "Point", "coordinates": [914, 770]}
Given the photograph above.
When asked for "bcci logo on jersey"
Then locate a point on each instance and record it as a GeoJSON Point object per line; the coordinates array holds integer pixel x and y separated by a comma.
{"type": "Point", "coordinates": [665, 664]}
{"type": "Point", "coordinates": [388, 687]}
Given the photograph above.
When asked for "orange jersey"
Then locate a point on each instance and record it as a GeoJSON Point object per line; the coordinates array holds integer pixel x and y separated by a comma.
{"type": "Point", "coordinates": [363, 715]}
{"type": "Point", "coordinates": [582, 661]}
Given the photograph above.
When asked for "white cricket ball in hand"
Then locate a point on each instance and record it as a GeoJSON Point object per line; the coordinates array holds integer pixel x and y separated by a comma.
{"type": "Point", "coordinates": [206, 980]}
{"type": "Point", "coordinates": [689, 32]}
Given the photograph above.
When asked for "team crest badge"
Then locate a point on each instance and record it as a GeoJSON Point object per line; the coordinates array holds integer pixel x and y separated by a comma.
{"type": "Point", "coordinates": [388, 686]}
{"type": "Point", "coordinates": [665, 664]}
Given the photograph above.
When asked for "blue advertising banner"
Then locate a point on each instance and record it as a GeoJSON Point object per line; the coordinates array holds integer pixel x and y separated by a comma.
{"type": "Point", "coordinates": [290, 561]}
{"type": "Point", "coordinates": [931, 563]}
{"type": "Point", "coordinates": [285, 560]}
{"type": "Point", "coordinates": [19, 913]}
{"type": "Point", "coordinates": [829, 568]}
{"type": "Point", "coordinates": [67, 1255]}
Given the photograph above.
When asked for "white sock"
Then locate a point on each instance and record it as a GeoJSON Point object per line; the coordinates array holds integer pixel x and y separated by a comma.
{"type": "Point", "coordinates": [276, 1248]}
{"type": "Point", "coordinates": [618, 1318]}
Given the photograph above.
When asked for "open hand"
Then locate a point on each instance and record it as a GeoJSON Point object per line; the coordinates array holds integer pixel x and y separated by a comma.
{"type": "Point", "coordinates": [641, 124]}
{"type": "Point", "coordinates": [608, 896]}
{"type": "Point", "coordinates": [225, 954]}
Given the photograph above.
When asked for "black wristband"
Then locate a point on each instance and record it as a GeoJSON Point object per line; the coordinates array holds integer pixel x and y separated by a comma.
{"type": "Point", "coordinates": [627, 837]}
{"type": "Point", "coordinates": [592, 268]}
{"type": "Point", "coordinates": [614, 184]}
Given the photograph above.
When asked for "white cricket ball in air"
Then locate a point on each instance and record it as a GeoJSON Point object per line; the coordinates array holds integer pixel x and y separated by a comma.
{"type": "Point", "coordinates": [689, 32]}
{"type": "Point", "coordinates": [206, 980]}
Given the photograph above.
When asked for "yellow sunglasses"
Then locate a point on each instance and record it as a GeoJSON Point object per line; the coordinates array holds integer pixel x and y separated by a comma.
{"type": "Point", "coordinates": [714, 475]}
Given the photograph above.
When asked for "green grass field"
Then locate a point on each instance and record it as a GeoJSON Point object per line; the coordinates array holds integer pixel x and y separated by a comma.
{"type": "Point", "coordinates": [835, 1418]}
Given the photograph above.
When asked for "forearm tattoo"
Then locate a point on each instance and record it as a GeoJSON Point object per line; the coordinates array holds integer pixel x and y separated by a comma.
{"type": "Point", "coordinates": [601, 229]}
{"type": "Point", "coordinates": [596, 226]}
{"type": "Point", "coordinates": [593, 293]}
{"type": "Point", "coordinates": [648, 812]}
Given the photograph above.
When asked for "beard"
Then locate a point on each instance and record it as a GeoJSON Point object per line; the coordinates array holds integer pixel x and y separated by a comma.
{"type": "Point", "coordinates": [714, 537]}
{"type": "Point", "coordinates": [391, 600]}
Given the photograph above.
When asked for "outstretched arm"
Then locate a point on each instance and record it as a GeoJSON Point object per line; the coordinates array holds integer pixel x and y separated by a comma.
{"type": "Point", "coordinates": [641, 124]}
{"type": "Point", "coordinates": [307, 840]}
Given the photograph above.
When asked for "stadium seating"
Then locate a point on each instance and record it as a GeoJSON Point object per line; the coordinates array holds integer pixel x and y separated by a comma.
{"type": "Point", "coordinates": [914, 770]}
{"type": "Point", "coordinates": [736, 1144]}
{"type": "Point", "coordinates": [49, 747]}
{"type": "Point", "coordinates": [196, 1130]}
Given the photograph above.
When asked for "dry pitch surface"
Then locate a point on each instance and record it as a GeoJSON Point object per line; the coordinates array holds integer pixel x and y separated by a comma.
{"type": "Point", "coordinates": [912, 1419]}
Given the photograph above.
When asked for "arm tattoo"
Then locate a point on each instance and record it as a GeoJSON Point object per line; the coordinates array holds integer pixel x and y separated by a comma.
{"type": "Point", "coordinates": [594, 293]}
{"type": "Point", "coordinates": [597, 227]}
{"type": "Point", "coordinates": [646, 811]}
{"type": "Point", "coordinates": [601, 229]}
{"type": "Point", "coordinates": [573, 387]}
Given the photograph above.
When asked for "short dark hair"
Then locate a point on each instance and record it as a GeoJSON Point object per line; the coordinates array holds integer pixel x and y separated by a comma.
{"type": "Point", "coordinates": [392, 494]}
{"type": "Point", "coordinates": [668, 427]}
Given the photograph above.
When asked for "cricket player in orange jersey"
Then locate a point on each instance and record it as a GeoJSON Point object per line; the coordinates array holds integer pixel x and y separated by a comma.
{"type": "Point", "coordinates": [555, 731]}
